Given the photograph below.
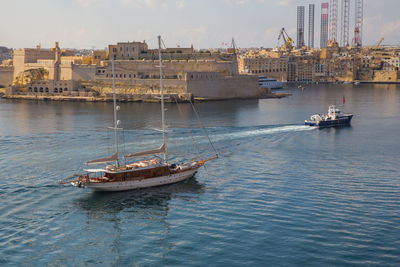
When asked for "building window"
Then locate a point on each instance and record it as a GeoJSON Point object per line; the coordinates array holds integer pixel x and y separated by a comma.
{"type": "Point", "coordinates": [55, 90]}
{"type": "Point", "coordinates": [41, 89]}
{"type": "Point", "coordinates": [35, 90]}
{"type": "Point", "coordinates": [65, 89]}
{"type": "Point", "coordinates": [61, 90]}
{"type": "Point", "coordinates": [47, 89]}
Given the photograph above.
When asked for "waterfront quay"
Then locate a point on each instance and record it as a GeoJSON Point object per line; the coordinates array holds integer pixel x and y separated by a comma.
{"type": "Point", "coordinates": [189, 74]}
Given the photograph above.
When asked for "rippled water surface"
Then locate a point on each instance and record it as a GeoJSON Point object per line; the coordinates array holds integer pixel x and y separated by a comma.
{"type": "Point", "coordinates": [280, 194]}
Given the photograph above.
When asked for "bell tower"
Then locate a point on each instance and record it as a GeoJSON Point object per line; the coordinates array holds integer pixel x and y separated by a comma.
{"type": "Point", "coordinates": [57, 62]}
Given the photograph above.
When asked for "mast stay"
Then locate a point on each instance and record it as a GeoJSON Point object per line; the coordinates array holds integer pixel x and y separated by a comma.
{"type": "Point", "coordinates": [113, 157]}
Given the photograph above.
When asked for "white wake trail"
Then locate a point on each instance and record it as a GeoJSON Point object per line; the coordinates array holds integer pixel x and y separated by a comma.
{"type": "Point", "coordinates": [260, 132]}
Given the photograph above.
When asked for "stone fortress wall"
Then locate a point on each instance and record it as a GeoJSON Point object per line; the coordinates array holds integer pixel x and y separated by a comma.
{"type": "Point", "coordinates": [215, 77]}
{"type": "Point", "coordinates": [214, 85]}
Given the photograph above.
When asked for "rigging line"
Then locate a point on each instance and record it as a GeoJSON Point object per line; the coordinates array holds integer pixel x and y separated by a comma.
{"type": "Point", "coordinates": [162, 41]}
{"type": "Point", "coordinates": [78, 166]}
{"type": "Point", "coordinates": [194, 141]}
{"type": "Point", "coordinates": [190, 130]}
{"type": "Point", "coordinates": [151, 40]}
{"type": "Point", "coordinates": [202, 125]}
{"type": "Point", "coordinates": [170, 56]}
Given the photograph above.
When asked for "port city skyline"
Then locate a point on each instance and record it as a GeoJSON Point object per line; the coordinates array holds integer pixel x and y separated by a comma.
{"type": "Point", "coordinates": [96, 23]}
{"type": "Point", "coordinates": [275, 153]}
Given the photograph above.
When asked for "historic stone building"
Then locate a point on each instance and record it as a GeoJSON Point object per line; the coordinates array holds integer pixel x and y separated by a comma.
{"type": "Point", "coordinates": [64, 69]}
{"type": "Point", "coordinates": [52, 86]}
{"type": "Point", "coordinates": [34, 58]}
{"type": "Point", "coordinates": [127, 50]}
{"type": "Point", "coordinates": [208, 75]}
{"type": "Point", "coordinates": [276, 68]}
{"type": "Point", "coordinates": [199, 78]}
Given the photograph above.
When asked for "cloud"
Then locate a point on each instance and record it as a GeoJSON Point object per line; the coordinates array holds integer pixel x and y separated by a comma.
{"type": "Point", "coordinates": [180, 4]}
{"type": "Point", "coordinates": [391, 29]}
{"type": "Point", "coordinates": [375, 28]}
{"type": "Point", "coordinates": [89, 3]}
{"type": "Point", "coordinates": [283, 2]}
{"type": "Point", "coordinates": [146, 3]}
{"type": "Point", "coordinates": [189, 34]}
{"type": "Point", "coordinates": [242, 2]}
{"type": "Point", "coordinates": [126, 2]}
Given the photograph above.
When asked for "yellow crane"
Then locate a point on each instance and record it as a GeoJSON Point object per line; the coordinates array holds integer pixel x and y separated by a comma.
{"type": "Point", "coordinates": [288, 45]}
{"type": "Point", "coordinates": [377, 46]}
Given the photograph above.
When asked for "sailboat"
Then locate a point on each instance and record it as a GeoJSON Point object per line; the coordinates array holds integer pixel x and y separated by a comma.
{"type": "Point", "coordinates": [142, 174]}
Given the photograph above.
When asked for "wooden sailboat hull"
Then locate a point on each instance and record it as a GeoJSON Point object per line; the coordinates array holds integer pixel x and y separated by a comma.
{"type": "Point", "coordinates": [144, 183]}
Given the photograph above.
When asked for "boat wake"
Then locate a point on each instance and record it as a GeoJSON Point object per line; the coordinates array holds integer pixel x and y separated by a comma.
{"type": "Point", "coordinates": [182, 137]}
{"type": "Point", "coordinates": [260, 132]}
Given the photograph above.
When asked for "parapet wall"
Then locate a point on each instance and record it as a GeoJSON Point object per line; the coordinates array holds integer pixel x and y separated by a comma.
{"type": "Point", "coordinates": [142, 68]}
{"type": "Point", "coordinates": [213, 85]}
{"type": "Point", "coordinates": [138, 86]}
{"type": "Point", "coordinates": [199, 84]}
{"type": "Point", "coordinates": [83, 72]}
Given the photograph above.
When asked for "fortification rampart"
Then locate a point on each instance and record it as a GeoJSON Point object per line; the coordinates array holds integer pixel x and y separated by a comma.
{"type": "Point", "coordinates": [138, 86]}
{"type": "Point", "coordinates": [213, 85]}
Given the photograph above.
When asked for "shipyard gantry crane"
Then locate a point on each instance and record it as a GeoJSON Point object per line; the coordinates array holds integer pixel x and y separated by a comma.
{"type": "Point", "coordinates": [288, 45]}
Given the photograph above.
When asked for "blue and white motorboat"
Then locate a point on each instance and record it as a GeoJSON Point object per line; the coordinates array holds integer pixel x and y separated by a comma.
{"type": "Point", "coordinates": [333, 118]}
{"type": "Point", "coordinates": [269, 83]}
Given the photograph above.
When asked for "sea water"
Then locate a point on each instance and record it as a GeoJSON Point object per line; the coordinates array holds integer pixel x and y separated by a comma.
{"type": "Point", "coordinates": [280, 193]}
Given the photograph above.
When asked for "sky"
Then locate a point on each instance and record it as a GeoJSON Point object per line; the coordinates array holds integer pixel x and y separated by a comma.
{"type": "Point", "coordinates": [203, 23]}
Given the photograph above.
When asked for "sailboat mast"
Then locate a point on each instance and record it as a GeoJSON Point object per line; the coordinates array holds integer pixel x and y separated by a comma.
{"type": "Point", "coordinates": [115, 112]}
{"type": "Point", "coordinates": [162, 102]}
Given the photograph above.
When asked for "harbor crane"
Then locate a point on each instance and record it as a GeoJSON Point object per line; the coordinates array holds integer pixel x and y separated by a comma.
{"type": "Point", "coordinates": [288, 41]}
{"type": "Point", "coordinates": [377, 46]}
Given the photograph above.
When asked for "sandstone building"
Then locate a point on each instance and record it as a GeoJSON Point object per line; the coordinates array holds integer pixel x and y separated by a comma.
{"type": "Point", "coordinates": [186, 73]}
